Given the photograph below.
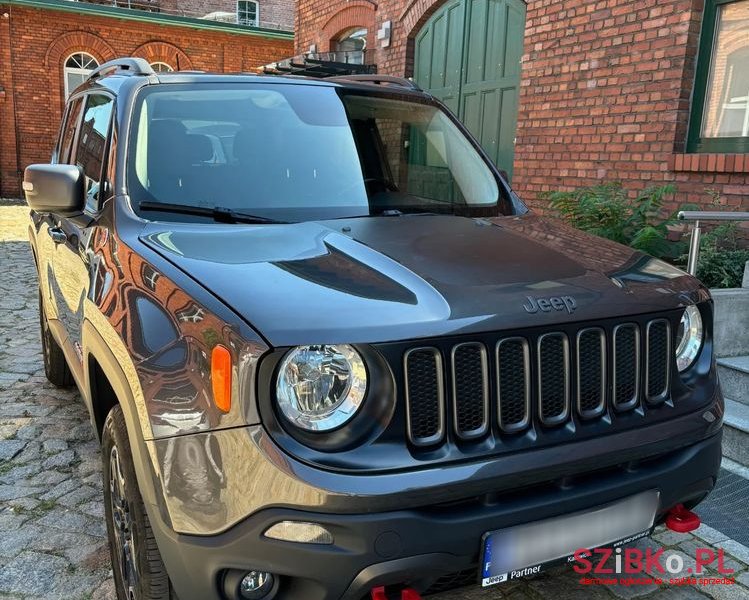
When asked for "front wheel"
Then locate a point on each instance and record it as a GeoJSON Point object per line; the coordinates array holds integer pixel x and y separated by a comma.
{"type": "Point", "coordinates": [139, 572]}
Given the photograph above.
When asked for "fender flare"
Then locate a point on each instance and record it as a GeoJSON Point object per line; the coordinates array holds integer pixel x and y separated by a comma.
{"type": "Point", "coordinates": [148, 480]}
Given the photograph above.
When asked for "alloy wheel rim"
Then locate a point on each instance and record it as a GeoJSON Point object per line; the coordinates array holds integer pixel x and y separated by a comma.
{"type": "Point", "coordinates": [123, 527]}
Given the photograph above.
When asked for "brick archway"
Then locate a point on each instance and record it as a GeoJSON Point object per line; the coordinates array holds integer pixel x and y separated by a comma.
{"type": "Point", "coordinates": [414, 16]}
{"type": "Point", "coordinates": [62, 47]}
{"type": "Point", "coordinates": [416, 13]}
{"type": "Point", "coordinates": [158, 51]}
{"type": "Point", "coordinates": [358, 13]}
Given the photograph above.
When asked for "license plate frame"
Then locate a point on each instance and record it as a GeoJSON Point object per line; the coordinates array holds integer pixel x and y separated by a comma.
{"type": "Point", "coordinates": [514, 552]}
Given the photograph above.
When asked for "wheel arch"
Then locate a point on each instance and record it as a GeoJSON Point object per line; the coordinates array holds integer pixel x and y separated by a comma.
{"type": "Point", "coordinates": [107, 386]}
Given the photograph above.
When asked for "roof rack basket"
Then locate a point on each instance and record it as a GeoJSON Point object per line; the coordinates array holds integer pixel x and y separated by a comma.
{"type": "Point", "coordinates": [127, 65]}
{"type": "Point", "coordinates": [323, 64]}
{"type": "Point", "coordinates": [378, 79]}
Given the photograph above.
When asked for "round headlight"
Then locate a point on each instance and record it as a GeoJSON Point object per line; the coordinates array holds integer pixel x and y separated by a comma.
{"type": "Point", "coordinates": [320, 388]}
{"type": "Point", "coordinates": [688, 338]}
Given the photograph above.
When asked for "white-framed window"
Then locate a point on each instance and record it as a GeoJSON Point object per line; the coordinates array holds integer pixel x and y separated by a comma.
{"type": "Point", "coordinates": [248, 13]}
{"type": "Point", "coordinates": [77, 68]}
{"type": "Point", "coordinates": [161, 67]}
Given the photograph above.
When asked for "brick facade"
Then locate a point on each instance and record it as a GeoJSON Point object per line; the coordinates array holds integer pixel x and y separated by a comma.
{"type": "Point", "coordinates": [34, 43]}
{"type": "Point", "coordinates": [605, 91]}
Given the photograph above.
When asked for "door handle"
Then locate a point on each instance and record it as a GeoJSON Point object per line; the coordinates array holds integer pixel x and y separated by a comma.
{"type": "Point", "coordinates": [58, 235]}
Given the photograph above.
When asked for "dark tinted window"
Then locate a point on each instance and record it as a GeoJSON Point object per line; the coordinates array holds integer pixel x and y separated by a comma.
{"type": "Point", "coordinates": [68, 134]}
{"type": "Point", "coordinates": [92, 144]}
{"type": "Point", "coordinates": [299, 152]}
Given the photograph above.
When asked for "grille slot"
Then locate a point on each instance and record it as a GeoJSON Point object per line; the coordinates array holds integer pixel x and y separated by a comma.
{"type": "Point", "coordinates": [513, 384]}
{"type": "Point", "coordinates": [657, 360]}
{"type": "Point", "coordinates": [626, 366]}
{"type": "Point", "coordinates": [425, 396]}
{"type": "Point", "coordinates": [591, 372]}
{"type": "Point", "coordinates": [553, 378]}
{"type": "Point", "coordinates": [470, 390]}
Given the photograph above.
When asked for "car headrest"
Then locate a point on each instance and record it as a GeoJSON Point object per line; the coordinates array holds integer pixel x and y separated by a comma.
{"type": "Point", "coordinates": [166, 132]}
{"type": "Point", "coordinates": [245, 147]}
{"type": "Point", "coordinates": [198, 148]}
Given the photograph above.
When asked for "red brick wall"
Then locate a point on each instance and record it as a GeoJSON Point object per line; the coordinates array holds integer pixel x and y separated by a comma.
{"type": "Point", "coordinates": [606, 96]}
{"type": "Point", "coordinates": [606, 88]}
{"type": "Point", "coordinates": [34, 43]}
{"type": "Point", "coordinates": [320, 23]}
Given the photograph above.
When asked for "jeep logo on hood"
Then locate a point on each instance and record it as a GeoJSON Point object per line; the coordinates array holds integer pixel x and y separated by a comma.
{"type": "Point", "coordinates": [552, 302]}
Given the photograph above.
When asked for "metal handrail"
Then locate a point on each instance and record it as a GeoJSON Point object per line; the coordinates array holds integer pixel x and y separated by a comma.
{"type": "Point", "coordinates": [705, 215]}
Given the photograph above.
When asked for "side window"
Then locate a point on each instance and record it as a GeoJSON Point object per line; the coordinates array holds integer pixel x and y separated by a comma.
{"type": "Point", "coordinates": [68, 134]}
{"type": "Point", "coordinates": [92, 145]}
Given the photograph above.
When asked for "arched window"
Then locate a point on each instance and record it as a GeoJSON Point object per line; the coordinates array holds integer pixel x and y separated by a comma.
{"type": "Point", "coordinates": [248, 13]}
{"type": "Point", "coordinates": [161, 67]}
{"type": "Point", "coordinates": [78, 66]}
{"type": "Point", "coordinates": [350, 46]}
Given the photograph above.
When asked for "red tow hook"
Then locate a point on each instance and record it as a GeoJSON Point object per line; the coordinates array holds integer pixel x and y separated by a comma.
{"type": "Point", "coordinates": [379, 593]}
{"type": "Point", "coordinates": [682, 520]}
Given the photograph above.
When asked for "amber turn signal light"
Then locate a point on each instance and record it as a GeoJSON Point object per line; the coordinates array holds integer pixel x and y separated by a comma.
{"type": "Point", "coordinates": [221, 377]}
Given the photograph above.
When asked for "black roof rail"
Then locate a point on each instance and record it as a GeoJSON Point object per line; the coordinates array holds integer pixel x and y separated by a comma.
{"type": "Point", "coordinates": [128, 65]}
{"type": "Point", "coordinates": [377, 79]}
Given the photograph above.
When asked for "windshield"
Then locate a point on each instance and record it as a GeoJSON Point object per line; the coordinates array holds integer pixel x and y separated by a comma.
{"type": "Point", "coordinates": [299, 152]}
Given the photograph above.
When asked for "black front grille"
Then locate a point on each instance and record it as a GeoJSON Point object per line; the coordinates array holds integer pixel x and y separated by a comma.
{"type": "Point", "coordinates": [626, 371]}
{"type": "Point", "coordinates": [532, 380]}
{"type": "Point", "coordinates": [470, 390]}
{"type": "Point", "coordinates": [513, 384]}
{"type": "Point", "coordinates": [424, 395]}
{"type": "Point", "coordinates": [553, 378]}
{"type": "Point", "coordinates": [591, 372]}
{"type": "Point", "coordinates": [658, 360]}
{"type": "Point", "coordinates": [453, 581]}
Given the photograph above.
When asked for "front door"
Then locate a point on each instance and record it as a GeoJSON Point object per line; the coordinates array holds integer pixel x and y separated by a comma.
{"type": "Point", "coordinates": [468, 55]}
{"type": "Point", "coordinates": [72, 266]}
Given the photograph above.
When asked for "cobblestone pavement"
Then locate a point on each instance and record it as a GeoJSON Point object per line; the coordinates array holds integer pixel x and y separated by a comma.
{"type": "Point", "coordinates": [52, 535]}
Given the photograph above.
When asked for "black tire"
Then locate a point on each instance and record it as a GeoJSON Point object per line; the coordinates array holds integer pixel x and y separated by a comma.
{"type": "Point", "coordinates": [55, 366]}
{"type": "Point", "coordinates": [150, 581]}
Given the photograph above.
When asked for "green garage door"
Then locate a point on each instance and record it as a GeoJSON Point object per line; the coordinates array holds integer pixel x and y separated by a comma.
{"type": "Point", "coordinates": [468, 56]}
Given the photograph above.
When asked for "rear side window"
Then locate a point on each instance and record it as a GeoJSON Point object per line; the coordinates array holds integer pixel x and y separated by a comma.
{"type": "Point", "coordinates": [68, 134]}
{"type": "Point", "coordinates": [92, 145]}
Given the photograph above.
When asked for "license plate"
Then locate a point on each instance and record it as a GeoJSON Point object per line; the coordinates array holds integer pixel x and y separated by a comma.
{"type": "Point", "coordinates": [527, 549]}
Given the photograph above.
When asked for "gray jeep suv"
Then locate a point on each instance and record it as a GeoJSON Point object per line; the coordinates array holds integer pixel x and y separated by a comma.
{"type": "Point", "coordinates": [330, 354]}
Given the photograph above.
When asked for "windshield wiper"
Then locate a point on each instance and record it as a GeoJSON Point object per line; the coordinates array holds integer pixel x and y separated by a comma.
{"type": "Point", "coordinates": [219, 214]}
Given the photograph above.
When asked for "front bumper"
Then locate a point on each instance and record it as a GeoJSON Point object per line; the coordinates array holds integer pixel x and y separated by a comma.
{"type": "Point", "coordinates": [417, 545]}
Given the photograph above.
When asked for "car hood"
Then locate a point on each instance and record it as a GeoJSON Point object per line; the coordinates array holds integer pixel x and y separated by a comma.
{"type": "Point", "coordinates": [377, 279]}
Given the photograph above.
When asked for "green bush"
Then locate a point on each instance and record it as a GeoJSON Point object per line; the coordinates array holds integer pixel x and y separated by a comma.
{"type": "Point", "coordinates": [721, 262]}
{"type": "Point", "coordinates": [608, 211]}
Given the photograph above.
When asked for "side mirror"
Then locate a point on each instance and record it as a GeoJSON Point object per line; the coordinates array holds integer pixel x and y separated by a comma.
{"type": "Point", "coordinates": [55, 188]}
